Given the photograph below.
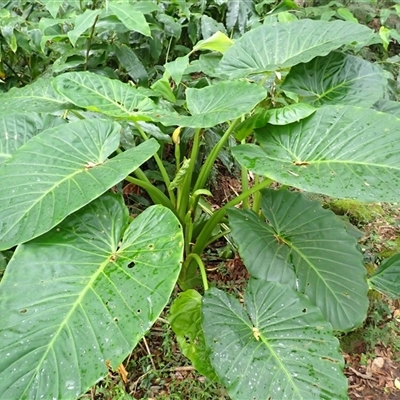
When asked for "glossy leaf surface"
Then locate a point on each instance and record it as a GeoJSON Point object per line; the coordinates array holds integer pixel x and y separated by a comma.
{"type": "Point", "coordinates": [337, 79]}
{"type": "Point", "coordinates": [80, 297]}
{"type": "Point", "coordinates": [218, 103]}
{"type": "Point", "coordinates": [185, 319]}
{"type": "Point", "coordinates": [16, 129]}
{"type": "Point", "coordinates": [59, 171]}
{"type": "Point", "coordinates": [307, 247]}
{"type": "Point", "coordinates": [340, 151]}
{"type": "Point", "coordinates": [274, 46]}
{"type": "Point", "coordinates": [107, 96]}
{"type": "Point", "coordinates": [386, 278]}
{"type": "Point", "coordinates": [277, 346]}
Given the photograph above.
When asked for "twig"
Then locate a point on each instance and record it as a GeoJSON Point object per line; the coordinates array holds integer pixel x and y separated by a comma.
{"type": "Point", "coordinates": [149, 353]}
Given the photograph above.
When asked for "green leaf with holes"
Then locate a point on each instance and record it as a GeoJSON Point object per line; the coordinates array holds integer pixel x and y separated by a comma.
{"type": "Point", "coordinates": [107, 96]}
{"type": "Point", "coordinates": [185, 319]}
{"type": "Point", "coordinates": [59, 171]}
{"type": "Point", "coordinates": [16, 129]}
{"type": "Point", "coordinates": [275, 346]}
{"type": "Point", "coordinates": [308, 248]}
{"type": "Point", "coordinates": [80, 297]}
{"type": "Point", "coordinates": [337, 79]}
{"type": "Point", "coordinates": [340, 151]}
{"type": "Point", "coordinates": [275, 46]}
{"type": "Point", "coordinates": [386, 278]}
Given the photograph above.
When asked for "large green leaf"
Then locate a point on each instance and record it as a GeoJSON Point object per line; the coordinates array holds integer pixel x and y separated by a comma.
{"type": "Point", "coordinates": [78, 298]}
{"type": "Point", "coordinates": [218, 103]}
{"type": "Point", "coordinates": [277, 347]}
{"type": "Point", "coordinates": [185, 319]}
{"type": "Point", "coordinates": [281, 45]}
{"type": "Point", "coordinates": [16, 129]}
{"type": "Point", "coordinates": [37, 97]}
{"type": "Point", "coordinates": [386, 279]}
{"type": "Point", "coordinates": [388, 106]}
{"type": "Point", "coordinates": [82, 23]}
{"type": "Point", "coordinates": [107, 96]}
{"type": "Point", "coordinates": [337, 79]}
{"type": "Point", "coordinates": [59, 171]}
{"type": "Point", "coordinates": [274, 116]}
{"type": "Point", "coordinates": [341, 151]}
{"type": "Point", "coordinates": [306, 246]}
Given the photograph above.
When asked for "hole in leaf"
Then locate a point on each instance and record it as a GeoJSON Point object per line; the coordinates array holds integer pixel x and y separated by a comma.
{"type": "Point", "coordinates": [106, 303]}
{"type": "Point", "coordinates": [131, 264]}
{"type": "Point", "coordinates": [139, 311]}
{"type": "Point", "coordinates": [23, 311]}
{"type": "Point", "coordinates": [151, 246]}
{"type": "Point", "coordinates": [304, 310]}
{"type": "Point", "coordinates": [116, 319]}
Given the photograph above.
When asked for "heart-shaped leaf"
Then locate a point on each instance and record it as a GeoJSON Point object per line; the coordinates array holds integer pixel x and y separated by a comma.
{"type": "Point", "coordinates": [218, 103]}
{"type": "Point", "coordinates": [277, 347]}
{"type": "Point", "coordinates": [59, 171]}
{"type": "Point", "coordinates": [341, 151]}
{"type": "Point", "coordinates": [16, 129]}
{"type": "Point", "coordinates": [305, 246]}
{"type": "Point", "coordinates": [281, 45]}
{"type": "Point", "coordinates": [337, 79]}
{"type": "Point", "coordinates": [386, 279]}
{"type": "Point", "coordinates": [77, 300]}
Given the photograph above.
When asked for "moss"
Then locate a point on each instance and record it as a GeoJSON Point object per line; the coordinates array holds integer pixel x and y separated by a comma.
{"type": "Point", "coordinates": [391, 250]}
{"type": "Point", "coordinates": [358, 212]}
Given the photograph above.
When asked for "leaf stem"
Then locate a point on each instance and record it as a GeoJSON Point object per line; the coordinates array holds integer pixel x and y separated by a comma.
{"type": "Point", "coordinates": [202, 269]}
{"type": "Point", "coordinates": [89, 43]}
{"type": "Point", "coordinates": [160, 165]}
{"type": "Point", "coordinates": [204, 237]}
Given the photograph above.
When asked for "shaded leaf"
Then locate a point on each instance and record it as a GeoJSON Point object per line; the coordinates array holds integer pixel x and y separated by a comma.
{"type": "Point", "coordinates": [340, 151]}
{"type": "Point", "coordinates": [185, 320]}
{"type": "Point", "coordinates": [278, 346]}
{"type": "Point", "coordinates": [386, 278]}
{"type": "Point", "coordinates": [282, 45]}
{"type": "Point", "coordinates": [337, 79]}
{"type": "Point", "coordinates": [67, 168]}
{"type": "Point", "coordinates": [79, 298]}
{"type": "Point", "coordinates": [132, 64]}
{"type": "Point", "coordinates": [388, 106]}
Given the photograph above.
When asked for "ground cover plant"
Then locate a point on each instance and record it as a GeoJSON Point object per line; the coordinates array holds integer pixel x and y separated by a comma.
{"type": "Point", "coordinates": [288, 100]}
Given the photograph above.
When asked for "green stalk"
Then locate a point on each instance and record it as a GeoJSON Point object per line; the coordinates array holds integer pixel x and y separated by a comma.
{"type": "Point", "coordinates": [184, 190]}
{"type": "Point", "coordinates": [204, 237]}
{"type": "Point", "coordinates": [256, 197]}
{"type": "Point", "coordinates": [199, 262]}
{"type": "Point", "coordinates": [89, 41]}
{"type": "Point", "coordinates": [156, 195]}
{"type": "Point", "coordinates": [245, 186]}
{"type": "Point", "coordinates": [160, 165]}
{"type": "Point", "coordinates": [206, 168]}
